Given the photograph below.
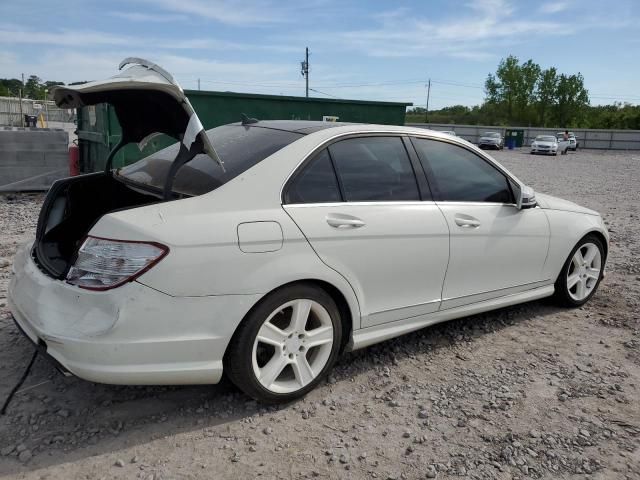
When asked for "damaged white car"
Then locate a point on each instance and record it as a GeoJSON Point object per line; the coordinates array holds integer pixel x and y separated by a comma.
{"type": "Point", "coordinates": [263, 249]}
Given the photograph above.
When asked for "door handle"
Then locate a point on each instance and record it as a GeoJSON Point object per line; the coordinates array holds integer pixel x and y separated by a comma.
{"type": "Point", "coordinates": [466, 221]}
{"type": "Point", "coordinates": [344, 221]}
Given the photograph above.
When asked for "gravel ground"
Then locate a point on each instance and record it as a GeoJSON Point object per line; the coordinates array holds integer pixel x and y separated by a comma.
{"type": "Point", "coordinates": [531, 391]}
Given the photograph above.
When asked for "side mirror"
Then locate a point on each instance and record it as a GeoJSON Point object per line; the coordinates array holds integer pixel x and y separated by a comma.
{"type": "Point", "coordinates": [527, 198]}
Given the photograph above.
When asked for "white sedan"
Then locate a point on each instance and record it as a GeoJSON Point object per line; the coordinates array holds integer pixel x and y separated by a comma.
{"type": "Point", "coordinates": [549, 145]}
{"type": "Point", "coordinates": [263, 249]}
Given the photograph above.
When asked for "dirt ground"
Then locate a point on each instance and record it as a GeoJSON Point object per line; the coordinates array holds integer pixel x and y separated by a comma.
{"type": "Point", "coordinates": [531, 391]}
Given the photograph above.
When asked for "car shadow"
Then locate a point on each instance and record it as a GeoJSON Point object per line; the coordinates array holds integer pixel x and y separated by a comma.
{"type": "Point", "coordinates": [63, 419]}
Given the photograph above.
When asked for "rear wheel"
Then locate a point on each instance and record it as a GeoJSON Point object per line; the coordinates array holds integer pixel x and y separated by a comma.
{"type": "Point", "coordinates": [581, 273]}
{"type": "Point", "coordinates": [285, 345]}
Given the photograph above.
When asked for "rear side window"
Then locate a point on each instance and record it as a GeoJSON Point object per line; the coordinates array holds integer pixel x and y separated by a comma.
{"type": "Point", "coordinates": [316, 183]}
{"type": "Point", "coordinates": [239, 147]}
{"type": "Point", "coordinates": [374, 169]}
{"type": "Point", "coordinates": [459, 175]}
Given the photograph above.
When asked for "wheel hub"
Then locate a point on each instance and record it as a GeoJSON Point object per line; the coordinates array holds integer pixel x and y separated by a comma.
{"type": "Point", "coordinates": [294, 343]}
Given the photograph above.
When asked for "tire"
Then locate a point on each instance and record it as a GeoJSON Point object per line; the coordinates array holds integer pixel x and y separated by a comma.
{"type": "Point", "coordinates": [570, 296]}
{"type": "Point", "coordinates": [296, 367]}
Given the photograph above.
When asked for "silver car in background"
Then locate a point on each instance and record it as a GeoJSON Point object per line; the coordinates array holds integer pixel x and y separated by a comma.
{"type": "Point", "coordinates": [491, 140]}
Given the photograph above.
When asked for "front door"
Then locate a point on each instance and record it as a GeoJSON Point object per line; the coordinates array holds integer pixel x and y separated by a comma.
{"type": "Point", "coordinates": [496, 249]}
{"type": "Point", "coordinates": [359, 205]}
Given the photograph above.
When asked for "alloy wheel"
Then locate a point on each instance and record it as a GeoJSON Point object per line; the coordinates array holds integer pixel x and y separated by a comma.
{"type": "Point", "coordinates": [292, 346]}
{"type": "Point", "coordinates": [584, 271]}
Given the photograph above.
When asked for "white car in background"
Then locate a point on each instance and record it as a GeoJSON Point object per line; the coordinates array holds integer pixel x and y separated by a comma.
{"type": "Point", "coordinates": [573, 141]}
{"type": "Point", "coordinates": [449, 132]}
{"type": "Point", "coordinates": [491, 140]}
{"type": "Point", "coordinates": [265, 249]}
{"type": "Point", "coordinates": [549, 145]}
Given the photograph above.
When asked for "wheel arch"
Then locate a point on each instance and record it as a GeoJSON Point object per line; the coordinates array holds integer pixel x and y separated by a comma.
{"type": "Point", "coordinates": [600, 236]}
{"type": "Point", "coordinates": [349, 313]}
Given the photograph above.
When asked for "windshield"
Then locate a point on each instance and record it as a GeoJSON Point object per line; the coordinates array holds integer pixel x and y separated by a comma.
{"type": "Point", "coordinates": [492, 134]}
{"type": "Point", "coordinates": [240, 147]}
{"type": "Point", "coordinates": [545, 138]}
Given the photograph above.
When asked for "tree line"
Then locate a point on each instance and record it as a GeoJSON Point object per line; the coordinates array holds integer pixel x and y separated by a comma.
{"type": "Point", "coordinates": [34, 87]}
{"type": "Point", "coordinates": [523, 94]}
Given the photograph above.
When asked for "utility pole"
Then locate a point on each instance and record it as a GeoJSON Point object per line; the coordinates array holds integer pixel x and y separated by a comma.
{"type": "Point", "coordinates": [305, 69]}
{"type": "Point", "coordinates": [426, 112]}
{"type": "Point", "coordinates": [21, 115]}
{"type": "Point", "coordinates": [198, 84]}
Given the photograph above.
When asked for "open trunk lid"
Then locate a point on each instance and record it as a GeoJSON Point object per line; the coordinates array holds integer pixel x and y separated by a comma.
{"type": "Point", "coordinates": [147, 101]}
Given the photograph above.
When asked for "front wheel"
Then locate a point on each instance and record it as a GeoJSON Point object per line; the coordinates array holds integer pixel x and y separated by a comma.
{"type": "Point", "coordinates": [285, 345]}
{"type": "Point", "coordinates": [581, 273]}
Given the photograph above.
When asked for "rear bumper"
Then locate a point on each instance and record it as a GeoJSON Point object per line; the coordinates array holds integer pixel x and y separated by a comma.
{"type": "Point", "coordinates": [130, 335]}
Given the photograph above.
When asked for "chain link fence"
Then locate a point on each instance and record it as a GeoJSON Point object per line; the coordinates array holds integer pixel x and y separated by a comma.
{"type": "Point", "coordinates": [12, 113]}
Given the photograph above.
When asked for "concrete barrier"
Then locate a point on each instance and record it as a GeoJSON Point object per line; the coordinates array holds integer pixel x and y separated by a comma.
{"type": "Point", "coordinates": [32, 158]}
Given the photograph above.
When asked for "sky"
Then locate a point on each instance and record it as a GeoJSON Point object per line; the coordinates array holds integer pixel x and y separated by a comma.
{"type": "Point", "coordinates": [367, 50]}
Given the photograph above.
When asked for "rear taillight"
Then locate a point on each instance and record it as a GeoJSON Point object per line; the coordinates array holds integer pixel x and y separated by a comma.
{"type": "Point", "coordinates": [103, 263]}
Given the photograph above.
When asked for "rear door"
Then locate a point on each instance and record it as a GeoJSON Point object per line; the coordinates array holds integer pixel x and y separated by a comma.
{"type": "Point", "coordinates": [496, 248]}
{"type": "Point", "coordinates": [359, 204]}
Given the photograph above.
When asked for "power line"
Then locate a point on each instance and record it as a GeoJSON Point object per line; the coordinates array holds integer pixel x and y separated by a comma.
{"type": "Point", "coordinates": [323, 93]}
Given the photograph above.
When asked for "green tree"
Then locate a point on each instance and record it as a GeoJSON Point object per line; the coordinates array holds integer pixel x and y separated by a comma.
{"type": "Point", "coordinates": [527, 76]}
{"type": "Point", "coordinates": [571, 100]}
{"type": "Point", "coordinates": [546, 92]}
{"type": "Point", "coordinates": [502, 89]}
{"type": "Point", "coordinates": [33, 88]}
{"type": "Point", "coordinates": [9, 87]}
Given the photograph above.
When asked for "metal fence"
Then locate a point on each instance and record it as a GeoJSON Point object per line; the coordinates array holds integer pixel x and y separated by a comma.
{"type": "Point", "coordinates": [12, 115]}
{"type": "Point", "coordinates": [587, 138]}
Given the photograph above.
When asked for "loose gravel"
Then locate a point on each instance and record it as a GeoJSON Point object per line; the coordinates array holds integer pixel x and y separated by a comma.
{"type": "Point", "coordinates": [531, 391]}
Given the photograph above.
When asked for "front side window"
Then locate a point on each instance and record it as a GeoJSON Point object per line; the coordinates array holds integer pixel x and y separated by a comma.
{"type": "Point", "coordinates": [316, 183]}
{"type": "Point", "coordinates": [374, 169]}
{"type": "Point", "coordinates": [459, 175]}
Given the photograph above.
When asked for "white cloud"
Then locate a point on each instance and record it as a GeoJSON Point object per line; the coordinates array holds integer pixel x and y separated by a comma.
{"type": "Point", "coordinates": [473, 34]}
{"type": "Point", "coordinates": [83, 39]}
{"type": "Point", "coordinates": [149, 17]}
{"type": "Point", "coordinates": [71, 66]}
{"type": "Point", "coordinates": [231, 12]}
{"type": "Point", "coordinates": [554, 7]}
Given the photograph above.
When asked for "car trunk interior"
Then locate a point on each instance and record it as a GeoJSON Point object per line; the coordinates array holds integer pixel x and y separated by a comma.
{"type": "Point", "coordinates": [71, 208]}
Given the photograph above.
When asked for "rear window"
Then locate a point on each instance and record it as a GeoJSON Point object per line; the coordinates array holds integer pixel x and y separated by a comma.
{"type": "Point", "coordinates": [240, 147]}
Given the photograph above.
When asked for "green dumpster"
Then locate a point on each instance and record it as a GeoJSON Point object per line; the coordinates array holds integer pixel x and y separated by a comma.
{"type": "Point", "coordinates": [99, 129]}
{"type": "Point", "coordinates": [514, 137]}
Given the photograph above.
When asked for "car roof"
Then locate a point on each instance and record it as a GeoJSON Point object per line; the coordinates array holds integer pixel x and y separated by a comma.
{"type": "Point", "coordinates": [304, 127]}
{"type": "Point", "coordinates": [325, 130]}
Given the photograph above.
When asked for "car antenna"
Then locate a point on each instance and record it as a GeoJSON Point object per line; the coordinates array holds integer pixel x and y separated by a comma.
{"type": "Point", "coordinates": [246, 120]}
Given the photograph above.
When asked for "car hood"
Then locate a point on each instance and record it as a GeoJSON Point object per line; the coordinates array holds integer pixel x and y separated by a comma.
{"type": "Point", "coordinates": [489, 139]}
{"type": "Point", "coordinates": [555, 203]}
{"type": "Point", "coordinates": [147, 101]}
{"type": "Point", "coordinates": [545, 144]}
